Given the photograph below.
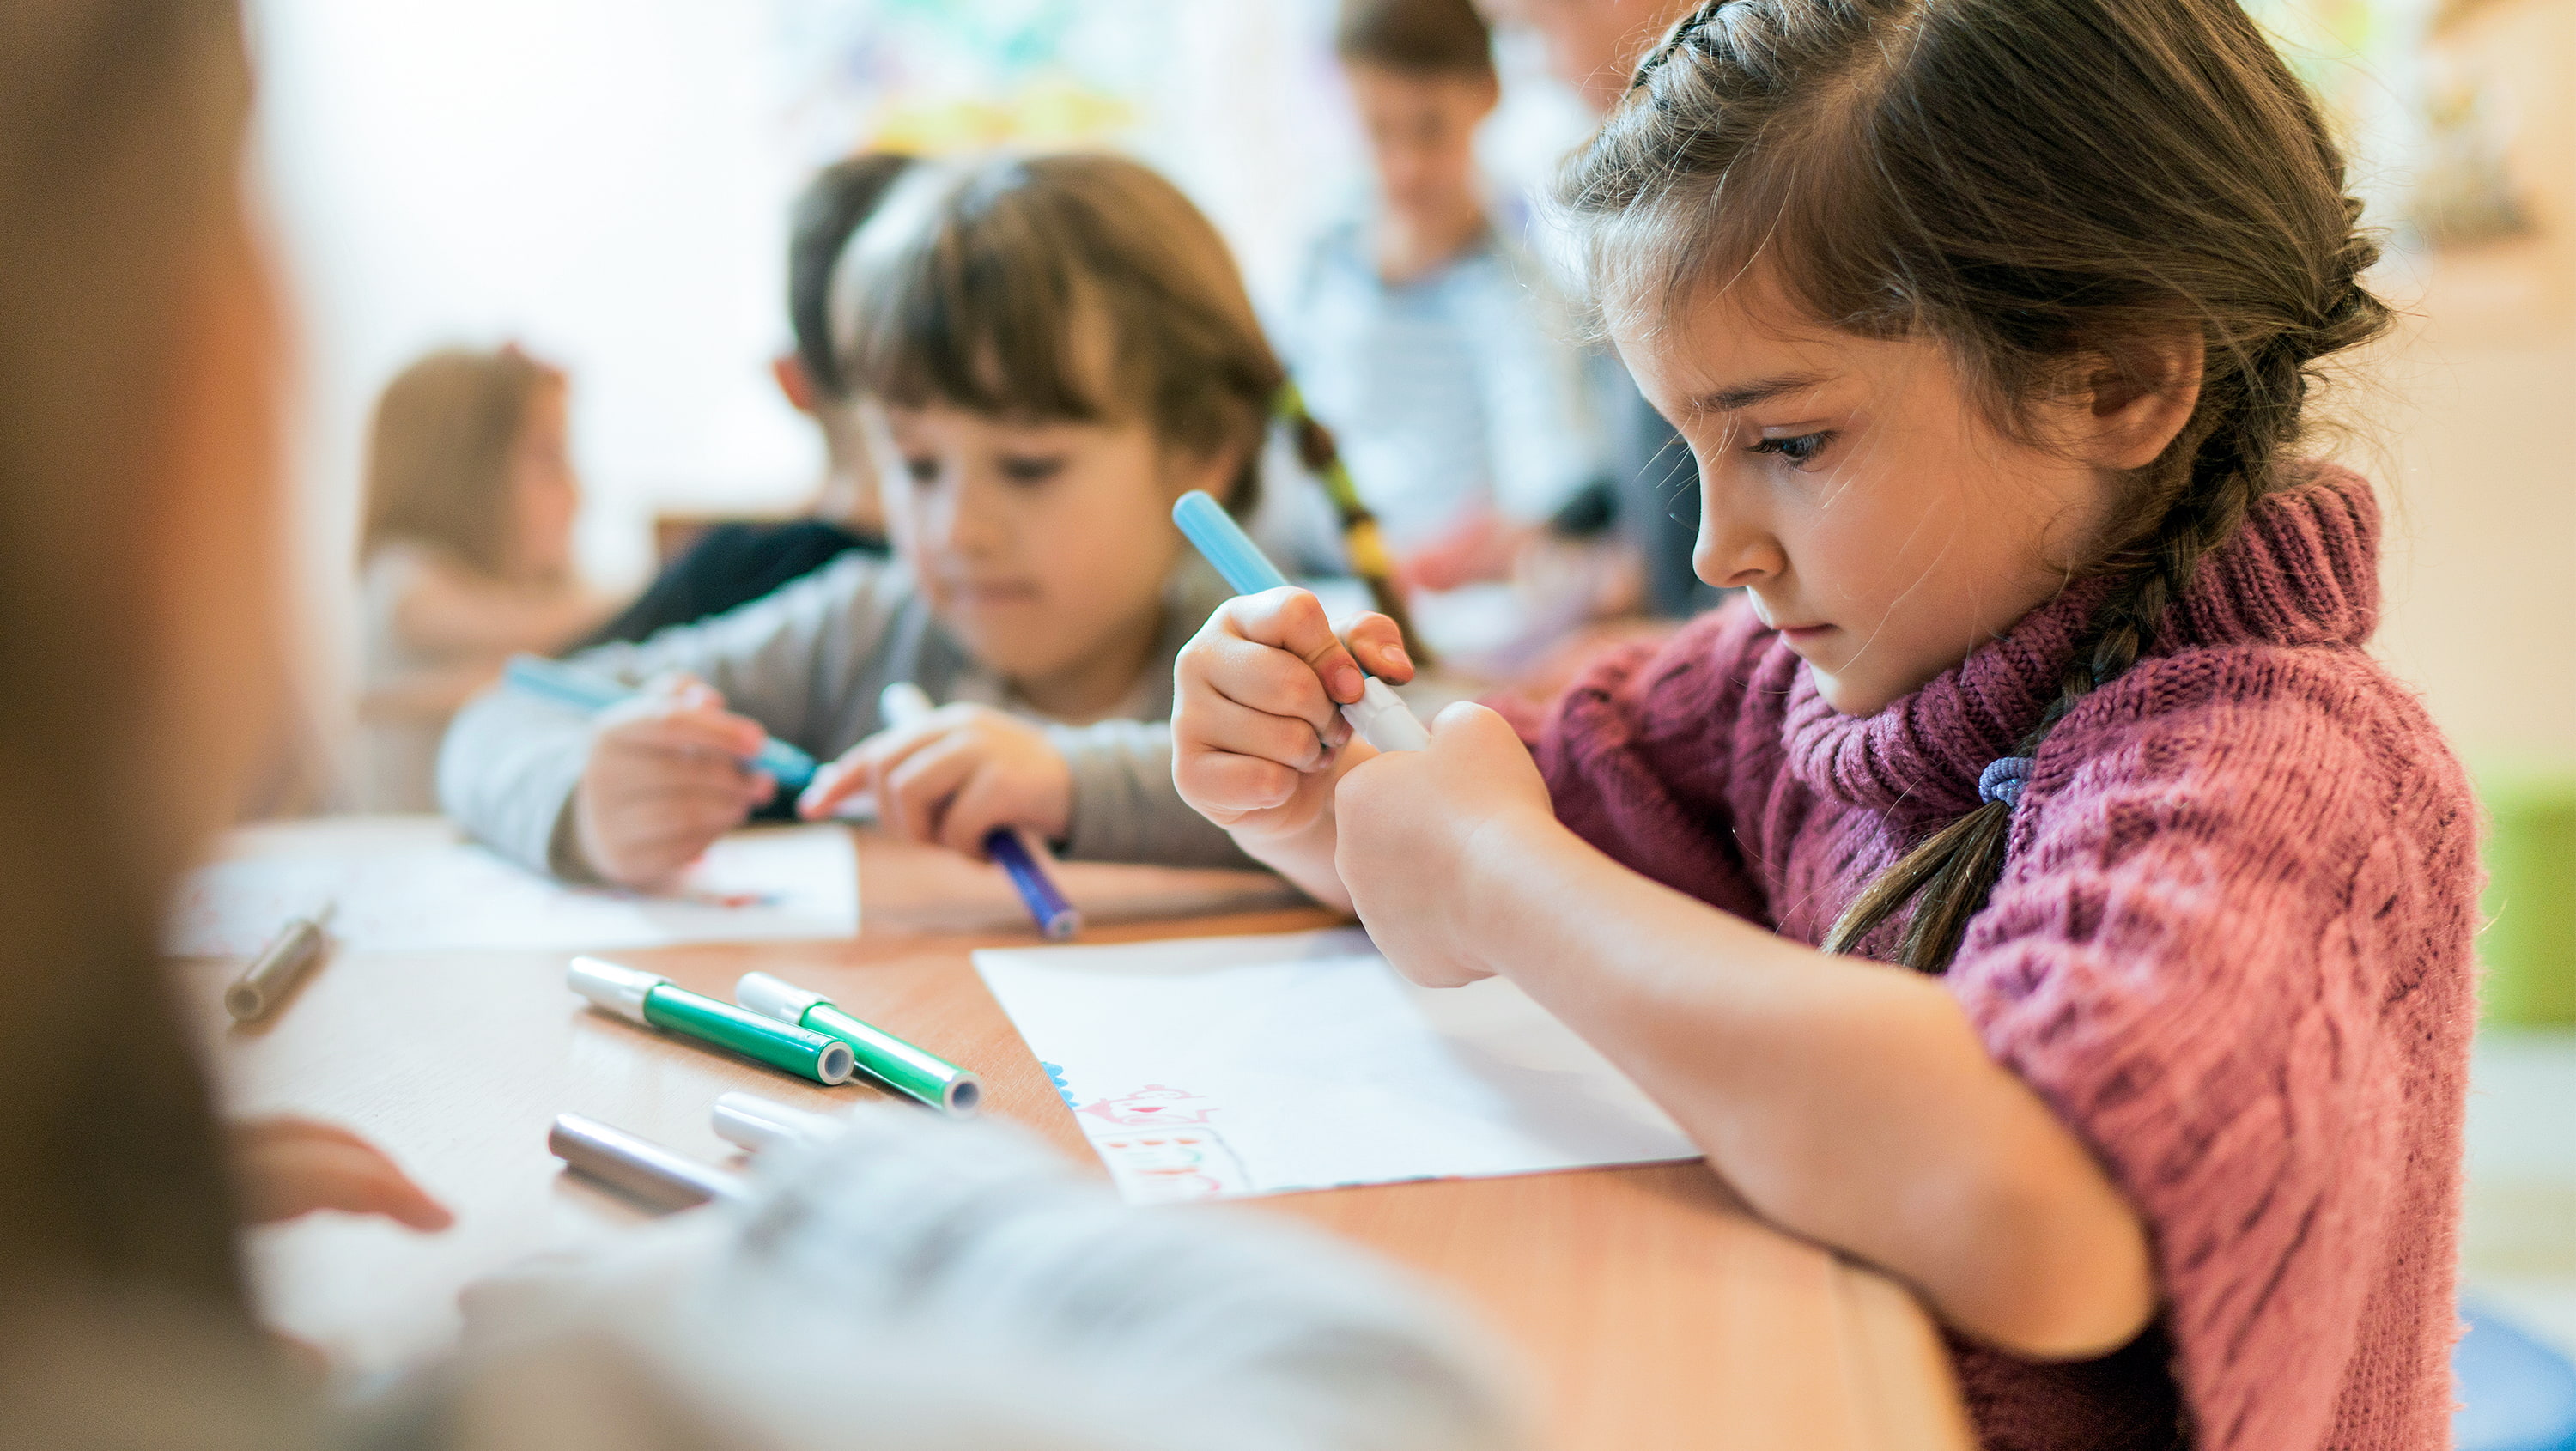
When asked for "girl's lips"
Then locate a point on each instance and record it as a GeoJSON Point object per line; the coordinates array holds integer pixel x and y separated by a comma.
{"type": "Point", "coordinates": [1797, 633]}
{"type": "Point", "coordinates": [990, 596]}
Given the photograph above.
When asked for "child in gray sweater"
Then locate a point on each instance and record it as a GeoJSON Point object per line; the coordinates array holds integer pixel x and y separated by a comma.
{"type": "Point", "coordinates": [1045, 353]}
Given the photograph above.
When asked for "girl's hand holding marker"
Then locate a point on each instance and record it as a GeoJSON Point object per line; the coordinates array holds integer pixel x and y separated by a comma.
{"type": "Point", "coordinates": [668, 773]}
{"type": "Point", "coordinates": [949, 775]}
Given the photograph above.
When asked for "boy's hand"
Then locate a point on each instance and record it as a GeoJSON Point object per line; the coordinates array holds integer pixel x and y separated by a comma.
{"type": "Point", "coordinates": [1256, 721]}
{"type": "Point", "coordinates": [1409, 826]}
{"type": "Point", "coordinates": [951, 777]}
{"type": "Point", "coordinates": [290, 1167]}
{"type": "Point", "coordinates": [666, 777]}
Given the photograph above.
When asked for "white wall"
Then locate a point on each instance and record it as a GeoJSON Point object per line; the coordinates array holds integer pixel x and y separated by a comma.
{"type": "Point", "coordinates": [592, 177]}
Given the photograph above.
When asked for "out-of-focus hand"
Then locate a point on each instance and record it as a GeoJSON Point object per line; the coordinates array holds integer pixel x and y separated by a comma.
{"type": "Point", "coordinates": [1412, 826]}
{"type": "Point", "coordinates": [1257, 728]}
{"type": "Point", "coordinates": [1485, 546]}
{"type": "Point", "coordinates": [290, 1167]}
{"type": "Point", "coordinates": [951, 777]}
{"type": "Point", "coordinates": [666, 777]}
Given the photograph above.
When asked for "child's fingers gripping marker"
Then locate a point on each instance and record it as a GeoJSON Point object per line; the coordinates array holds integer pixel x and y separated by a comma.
{"type": "Point", "coordinates": [1381, 719]}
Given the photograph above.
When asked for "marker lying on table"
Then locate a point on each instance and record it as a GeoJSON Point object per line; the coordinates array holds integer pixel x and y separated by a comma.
{"type": "Point", "coordinates": [280, 965]}
{"type": "Point", "coordinates": [650, 999]}
{"type": "Point", "coordinates": [573, 686]}
{"type": "Point", "coordinates": [903, 703]}
{"type": "Point", "coordinates": [640, 1167]}
{"type": "Point", "coordinates": [1381, 719]}
{"type": "Point", "coordinates": [881, 1055]}
{"type": "Point", "coordinates": [756, 1124]}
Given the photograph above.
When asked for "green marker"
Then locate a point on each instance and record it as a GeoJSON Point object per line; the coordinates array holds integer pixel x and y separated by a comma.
{"type": "Point", "coordinates": [650, 999]}
{"type": "Point", "coordinates": [888, 1059]}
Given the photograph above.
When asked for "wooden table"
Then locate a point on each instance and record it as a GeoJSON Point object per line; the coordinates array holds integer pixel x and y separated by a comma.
{"type": "Point", "coordinates": [1655, 1313]}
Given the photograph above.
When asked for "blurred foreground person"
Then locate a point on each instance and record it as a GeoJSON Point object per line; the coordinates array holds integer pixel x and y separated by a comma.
{"type": "Point", "coordinates": [139, 347]}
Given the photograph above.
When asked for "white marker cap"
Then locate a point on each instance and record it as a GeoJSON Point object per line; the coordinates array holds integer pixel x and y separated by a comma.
{"type": "Point", "coordinates": [621, 990]}
{"type": "Point", "coordinates": [772, 998]}
{"type": "Point", "coordinates": [1384, 721]}
{"type": "Point", "coordinates": [759, 1124]}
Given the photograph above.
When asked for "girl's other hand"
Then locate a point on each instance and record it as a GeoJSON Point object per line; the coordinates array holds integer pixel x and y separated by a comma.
{"type": "Point", "coordinates": [1410, 825]}
{"type": "Point", "coordinates": [290, 1167]}
{"type": "Point", "coordinates": [666, 777]}
{"type": "Point", "coordinates": [1256, 710]}
{"type": "Point", "coordinates": [953, 776]}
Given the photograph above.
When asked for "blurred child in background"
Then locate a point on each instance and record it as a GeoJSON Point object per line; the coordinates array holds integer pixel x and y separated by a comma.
{"type": "Point", "coordinates": [1050, 351]}
{"type": "Point", "coordinates": [734, 564]}
{"type": "Point", "coordinates": [466, 554]}
{"type": "Point", "coordinates": [919, 1285]}
{"type": "Point", "coordinates": [1430, 337]}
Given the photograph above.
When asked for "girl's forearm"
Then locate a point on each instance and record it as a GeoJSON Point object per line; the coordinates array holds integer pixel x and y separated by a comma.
{"type": "Point", "coordinates": [1848, 1101]}
{"type": "Point", "coordinates": [1304, 858]}
{"type": "Point", "coordinates": [1304, 854]}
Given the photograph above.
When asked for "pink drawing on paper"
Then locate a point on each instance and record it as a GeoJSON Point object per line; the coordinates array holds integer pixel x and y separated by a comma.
{"type": "Point", "coordinates": [1160, 1144]}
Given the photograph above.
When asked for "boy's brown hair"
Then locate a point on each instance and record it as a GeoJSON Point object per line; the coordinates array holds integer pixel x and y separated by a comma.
{"type": "Point", "coordinates": [1415, 37]}
{"type": "Point", "coordinates": [1080, 287]}
{"type": "Point", "coordinates": [2048, 189]}
{"type": "Point", "coordinates": [439, 455]}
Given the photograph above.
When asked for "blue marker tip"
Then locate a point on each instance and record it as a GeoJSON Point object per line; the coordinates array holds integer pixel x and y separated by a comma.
{"type": "Point", "coordinates": [1225, 544]}
{"type": "Point", "coordinates": [1378, 715]}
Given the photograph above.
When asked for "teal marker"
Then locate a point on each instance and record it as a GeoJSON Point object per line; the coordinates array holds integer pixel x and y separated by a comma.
{"type": "Point", "coordinates": [1381, 719]}
{"type": "Point", "coordinates": [580, 689]}
{"type": "Point", "coordinates": [886, 1058]}
{"type": "Point", "coordinates": [651, 999]}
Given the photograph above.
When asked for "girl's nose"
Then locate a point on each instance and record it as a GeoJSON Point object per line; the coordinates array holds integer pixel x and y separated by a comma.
{"type": "Point", "coordinates": [972, 523]}
{"type": "Point", "coordinates": [1736, 547]}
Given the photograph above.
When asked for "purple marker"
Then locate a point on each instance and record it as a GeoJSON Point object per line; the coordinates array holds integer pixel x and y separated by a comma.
{"type": "Point", "coordinates": [900, 705]}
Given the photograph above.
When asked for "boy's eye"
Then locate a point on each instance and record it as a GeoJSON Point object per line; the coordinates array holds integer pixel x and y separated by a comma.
{"type": "Point", "coordinates": [1800, 450]}
{"type": "Point", "coordinates": [1031, 468]}
{"type": "Point", "coordinates": [923, 471]}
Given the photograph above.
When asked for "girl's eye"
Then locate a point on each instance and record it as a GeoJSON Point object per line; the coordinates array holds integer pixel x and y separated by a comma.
{"type": "Point", "coordinates": [923, 471]}
{"type": "Point", "coordinates": [1025, 469]}
{"type": "Point", "coordinates": [1800, 450]}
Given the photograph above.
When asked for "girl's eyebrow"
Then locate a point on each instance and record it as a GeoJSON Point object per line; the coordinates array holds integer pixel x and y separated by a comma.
{"type": "Point", "coordinates": [1745, 395]}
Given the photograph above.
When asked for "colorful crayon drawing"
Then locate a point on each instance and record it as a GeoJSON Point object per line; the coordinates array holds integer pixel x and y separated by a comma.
{"type": "Point", "coordinates": [1160, 1146]}
{"type": "Point", "coordinates": [1151, 1106]}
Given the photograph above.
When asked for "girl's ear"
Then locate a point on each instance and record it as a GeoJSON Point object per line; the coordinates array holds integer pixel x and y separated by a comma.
{"type": "Point", "coordinates": [2139, 400]}
{"type": "Point", "coordinates": [1214, 470]}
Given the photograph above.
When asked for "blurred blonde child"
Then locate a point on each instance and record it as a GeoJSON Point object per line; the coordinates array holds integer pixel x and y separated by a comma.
{"type": "Point", "coordinates": [466, 554]}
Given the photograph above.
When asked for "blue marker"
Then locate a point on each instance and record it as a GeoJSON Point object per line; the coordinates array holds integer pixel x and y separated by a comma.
{"type": "Point", "coordinates": [1381, 719]}
{"type": "Point", "coordinates": [568, 685]}
{"type": "Point", "coordinates": [901, 704]}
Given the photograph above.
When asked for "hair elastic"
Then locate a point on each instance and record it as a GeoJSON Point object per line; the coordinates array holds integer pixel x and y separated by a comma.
{"type": "Point", "coordinates": [2003, 779]}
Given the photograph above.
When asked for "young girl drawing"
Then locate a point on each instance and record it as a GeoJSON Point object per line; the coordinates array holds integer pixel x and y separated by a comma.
{"type": "Point", "coordinates": [466, 555]}
{"type": "Point", "coordinates": [1050, 352]}
{"type": "Point", "coordinates": [2032, 886]}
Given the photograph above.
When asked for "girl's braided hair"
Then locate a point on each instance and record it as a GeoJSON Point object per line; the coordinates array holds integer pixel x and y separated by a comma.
{"type": "Point", "coordinates": [2052, 190]}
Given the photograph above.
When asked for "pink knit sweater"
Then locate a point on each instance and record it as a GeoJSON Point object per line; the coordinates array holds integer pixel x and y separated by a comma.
{"type": "Point", "coordinates": [2230, 947]}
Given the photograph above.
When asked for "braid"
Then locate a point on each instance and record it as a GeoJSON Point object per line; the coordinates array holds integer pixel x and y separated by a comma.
{"type": "Point", "coordinates": [1360, 537]}
{"type": "Point", "coordinates": [1955, 869]}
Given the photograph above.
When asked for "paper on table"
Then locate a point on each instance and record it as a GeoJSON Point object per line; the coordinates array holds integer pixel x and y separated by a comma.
{"type": "Point", "coordinates": [1257, 1065]}
{"type": "Point", "coordinates": [416, 886]}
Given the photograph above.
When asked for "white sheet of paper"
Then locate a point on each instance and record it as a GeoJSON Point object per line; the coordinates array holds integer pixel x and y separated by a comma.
{"type": "Point", "coordinates": [416, 886]}
{"type": "Point", "coordinates": [1258, 1065]}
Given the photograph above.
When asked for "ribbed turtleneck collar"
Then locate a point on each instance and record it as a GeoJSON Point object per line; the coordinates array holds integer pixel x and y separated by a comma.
{"type": "Point", "coordinates": [2303, 570]}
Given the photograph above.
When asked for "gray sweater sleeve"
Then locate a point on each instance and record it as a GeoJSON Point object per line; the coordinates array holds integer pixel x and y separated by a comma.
{"type": "Point", "coordinates": [793, 661]}
{"type": "Point", "coordinates": [1125, 807]}
{"type": "Point", "coordinates": [807, 663]}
